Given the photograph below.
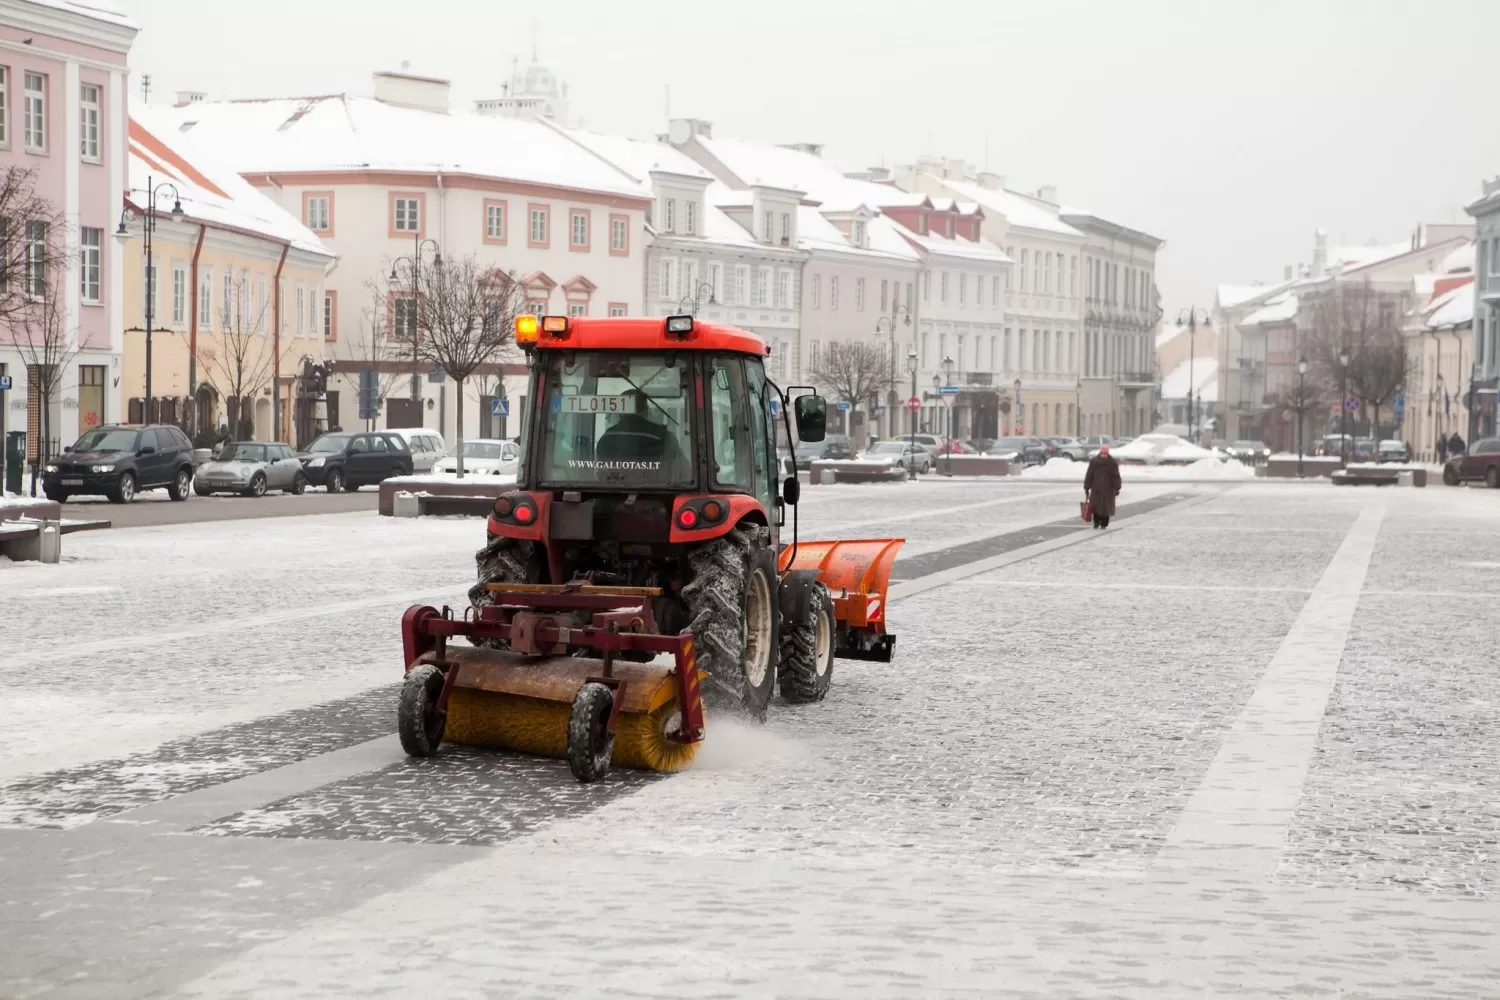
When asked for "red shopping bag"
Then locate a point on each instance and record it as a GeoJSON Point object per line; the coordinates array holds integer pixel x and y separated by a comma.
{"type": "Point", "coordinates": [1085, 510]}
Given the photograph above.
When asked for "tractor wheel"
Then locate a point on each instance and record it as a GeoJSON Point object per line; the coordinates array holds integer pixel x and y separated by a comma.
{"type": "Point", "coordinates": [805, 666]}
{"type": "Point", "coordinates": [1492, 478]}
{"type": "Point", "coordinates": [1450, 476]}
{"type": "Point", "coordinates": [731, 602]}
{"type": "Point", "coordinates": [418, 721]}
{"type": "Point", "coordinates": [590, 743]}
{"type": "Point", "coordinates": [502, 560]}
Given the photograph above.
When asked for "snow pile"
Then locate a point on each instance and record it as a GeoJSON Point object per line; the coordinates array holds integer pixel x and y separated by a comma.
{"type": "Point", "coordinates": [443, 478]}
{"type": "Point", "coordinates": [1157, 448]}
{"type": "Point", "coordinates": [1061, 470]}
{"type": "Point", "coordinates": [9, 499]}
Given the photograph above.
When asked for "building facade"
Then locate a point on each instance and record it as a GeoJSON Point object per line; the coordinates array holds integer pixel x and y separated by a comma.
{"type": "Point", "coordinates": [1485, 378]}
{"type": "Point", "coordinates": [63, 93]}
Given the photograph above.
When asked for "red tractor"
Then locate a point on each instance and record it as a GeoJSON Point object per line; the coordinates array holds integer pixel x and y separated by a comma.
{"type": "Point", "coordinates": [647, 518]}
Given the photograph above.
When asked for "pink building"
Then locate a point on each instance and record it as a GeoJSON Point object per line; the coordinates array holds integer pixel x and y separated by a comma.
{"type": "Point", "coordinates": [63, 88]}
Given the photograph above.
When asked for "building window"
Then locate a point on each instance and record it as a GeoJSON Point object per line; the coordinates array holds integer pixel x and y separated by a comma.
{"type": "Point", "coordinates": [924, 350]}
{"type": "Point", "coordinates": [617, 309]}
{"type": "Point", "coordinates": [1072, 275]}
{"type": "Point", "coordinates": [943, 288]}
{"type": "Point", "coordinates": [690, 217]}
{"type": "Point", "coordinates": [978, 291]}
{"type": "Point", "coordinates": [926, 286]}
{"type": "Point", "coordinates": [408, 216]}
{"type": "Point", "coordinates": [281, 306]}
{"type": "Point", "coordinates": [814, 353]}
{"type": "Point", "coordinates": [860, 229]}
{"type": "Point", "coordinates": [742, 285]}
{"type": "Point", "coordinates": [317, 210]}
{"type": "Point", "coordinates": [88, 121]}
{"type": "Point", "coordinates": [36, 259]}
{"type": "Point", "coordinates": [859, 294]}
{"type": "Point", "coordinates": [963, 280]}
{"type": "Point", "coordinates": [4, 107]}
{"type": "Point", "coordinates": [494, 221]}
{"type": "Point", "coordinates": [833, 292]}
{"type": "Point", "coordinates": [784, 289]}
{"type": "Point", "coordinates": [664, 289]}
{"type": "Point", "coordinates": [179, 294]}
{"type": "Point", "coordinates": [578, 230]}
{"type": "Point", "coordinates": [578, 309]}
{"type": "Point", "coordinates": [671, 217]}
{"type": "Point", "coordinates": [404, 318]}
{"type": "Point", "coordinates": [1024, 256]}
{"type": "Point", "coordinates": [763, 286]}
{"type": "Point", "coordinates": [330, 315]}
{"type": "Point", "coordinates": [260, 303]}
{"type": "Point", "coordinates": [767, 227]}
{"type": "Point", "coordinates": [301, 301]}
{"type": "Point", "coordinates": [206, 298]}
{"type": "Point", "coordinates": [537, 235]}
{"type": "Point", "coordinates": [786, 229]}
{"type": "Point", "coordinates": [36, 112]}
{"type": "Point", "coordinates": [92, 242]}
{"type": "Point", "coordinates": [619, 235]}
{"type": "Point", "coordinates": [909, 299]}
{"type": "Point", "coordinates": [715, 283]}
{"type": "Point", "coordinates": [817, 291]}
{"type": "Point", "coordinates": [995, 288]}
{"type": "Point", "coordinates": [226, 302]}
{"type": "Point", "coordinates": [883, 299]}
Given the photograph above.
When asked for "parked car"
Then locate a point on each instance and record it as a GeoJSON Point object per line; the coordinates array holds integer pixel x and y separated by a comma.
{"type": "Point", "coordinates": [900, 456]}
{"type": "Point", "coordinates": [1331, 445]}
{"type": "Point", "coordinates": [426, 446]}
{"type": "Point", "coordinates": [1066, 447]}
{"type": "Point", "coordinates": [834, 447]}
{"type": "Point", "coordinates": [1363, 450]}
{"type": "Point", "coordinates": [955, 447]}
{"type": "Point", "coordinates": [1027, 451]}
{"type": "Point", "coordinates": [1481, 463]}
{"type": "Point", "coordinates": [1392, 451]}
{"type": "Point", "coordinates": [932, 442]}
{"type": "Point", "coordinates": [1248, 452]}
{"type": "Point", "coordinates": [250, 468]}
{"type": "Point", "coordinates": [349, 460]}
{"type": "Point", "coordinates": [484, 457]}
{"type": "Point", "coordinates": [119, 460]}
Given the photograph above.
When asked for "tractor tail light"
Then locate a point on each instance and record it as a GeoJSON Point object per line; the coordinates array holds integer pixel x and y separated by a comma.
{"type": "Point", "coordinates": [687, 518]}
{"type": "Point", "coordinates": [503, 507]}
{"type": "Point", "coordinates": [713, 512]}
{"type": "Point", "coordinates": [525, 513]}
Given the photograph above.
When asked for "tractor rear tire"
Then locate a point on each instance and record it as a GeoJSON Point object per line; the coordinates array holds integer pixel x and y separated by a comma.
{"type": "Point", "coordinates": [418, 722]}
{"type": "Point", "coordinates": [804, 668]}
{"type": "Point", "coordinates": [731, 602]}
{"type": "Point", "coordinates": [502, 560]}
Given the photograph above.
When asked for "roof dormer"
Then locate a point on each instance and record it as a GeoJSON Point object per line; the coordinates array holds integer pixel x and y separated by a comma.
{"type": "Point", "coordinates": [773, 219]}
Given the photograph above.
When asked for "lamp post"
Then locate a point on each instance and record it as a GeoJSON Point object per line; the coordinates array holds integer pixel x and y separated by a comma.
{"type": "Point", "coordinates": [1343, 407]}
{"type": "Point", "coordinates": [887, 324]}
{"type": "Point", "coordinates": [696, 298]}
{"type": "Point", "coordinates": [148, 234]}
{"type": "Point", "coordinates": [1191, 322]}
{"type": "Point", "coordinates": [1301, 405]}
{"type": "Point", "coordinates": [911, 366]}
{"type": "Point", "coordinates": [1078, 408]}
{"type": "Point", "coordinates": [948, 364]}
{"type": "Point", "coordinates": [414, 262]}
{"type": "Point", "coordinates": [1017, 421]}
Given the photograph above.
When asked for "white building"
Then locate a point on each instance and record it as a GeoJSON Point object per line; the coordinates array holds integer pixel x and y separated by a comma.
{"type": "Point", "coordinates": [399, 176]}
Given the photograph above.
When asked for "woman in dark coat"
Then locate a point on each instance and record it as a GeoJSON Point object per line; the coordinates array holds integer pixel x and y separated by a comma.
{"type": "Point", "coordinates": [1102, 484]}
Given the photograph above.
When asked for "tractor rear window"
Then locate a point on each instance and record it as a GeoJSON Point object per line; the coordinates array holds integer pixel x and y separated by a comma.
{"type": "Point", "coordinates": [617, 419]}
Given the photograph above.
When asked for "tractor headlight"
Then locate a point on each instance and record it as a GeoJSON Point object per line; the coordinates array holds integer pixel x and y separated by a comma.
{"type": "Point", "coordinates": [315, 463]}
{"type": "Point", "coordinates": [102, 468]}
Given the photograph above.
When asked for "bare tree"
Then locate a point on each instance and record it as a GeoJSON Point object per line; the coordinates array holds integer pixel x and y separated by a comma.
{"type": "Point", "coordinates": [1302, 399]}
{"type": "Point", "coordinates": [32, 243]}
{"type": "Point", "coordinates": [372, 349]}
{"type": "Point", "coordinates": [467, 317]}
{"type": "Point", "coordinates": [48, 343]}
{"type": "Point", "coordinates": [245, 362]}
{"type": "Point", "coordinates": [854, 371]}
{"type": "Point", "coordinates": [1362, 323]}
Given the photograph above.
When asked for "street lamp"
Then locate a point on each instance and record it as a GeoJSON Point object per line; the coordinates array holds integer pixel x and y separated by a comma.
{"type": "Point", "coordinates": [1343, 406]}
{"type": "Point", "coordinates": [1191, 322]}
{"type": "Point", "coordinates": [148, 233]}
{"type": "Point", "coordinates": [414, 262]}
{"type": "Point", "coordinates": [696, 298]}
{"type": "Point", "coordinates": [1016, 420]}
{"type": "Point", "coordinates": [948, 406]}
{"type": "Point", "coordinates": [1078, 408]}
{"type": "Point", "coordinates": [911, 366]}
{"type": "Point", "coordinates": [1301, 405]}
{"type": "Point", "coordinates": [890, 327]}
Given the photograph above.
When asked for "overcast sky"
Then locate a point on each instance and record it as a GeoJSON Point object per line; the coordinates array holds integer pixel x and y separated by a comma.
{"type": "Point", "coordinates": [1230, 128]}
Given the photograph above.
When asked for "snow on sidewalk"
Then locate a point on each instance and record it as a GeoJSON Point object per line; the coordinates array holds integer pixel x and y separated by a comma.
{"type": "Point", "coordinates": [1208, 470]}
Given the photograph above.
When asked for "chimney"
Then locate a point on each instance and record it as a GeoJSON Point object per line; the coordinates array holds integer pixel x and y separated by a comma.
{"type": "Point", "coordinates": [955, 170]}
{"type": "Point", "coordinates": [879, 174]}
{"type": "Point", "coordinates": [992, 182]}
{"type": "Point", "coordinates": [1048, 193]}
{"type": "Point", "coordinates": [186, 97]}
{"type": "Point", "coordinates": [1320, 253]}
{"type": "Point", "coordinates": [407, 90]}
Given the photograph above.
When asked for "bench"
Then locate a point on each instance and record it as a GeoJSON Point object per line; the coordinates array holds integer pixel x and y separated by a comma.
{"type": "Point", "coordinates": [1366, 477]}
{"type": "Point", "coordinates": [21, 538]}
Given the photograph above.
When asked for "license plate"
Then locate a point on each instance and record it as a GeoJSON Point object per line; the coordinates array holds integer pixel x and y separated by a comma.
{"type": "Point", "coordinates": [598, 404]}
{"type": "Point", "coordinates": [72, 482]}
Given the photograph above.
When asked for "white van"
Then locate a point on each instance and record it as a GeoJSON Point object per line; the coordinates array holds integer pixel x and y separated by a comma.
{"type": "Point", "coordinates": [427, 447]}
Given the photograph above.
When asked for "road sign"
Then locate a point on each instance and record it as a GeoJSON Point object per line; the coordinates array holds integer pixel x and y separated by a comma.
{"type": "Point", "coordinates": [879, 412]}
{"type": "Point", "coordinates": [1351, 404]}
{"type": "Point", "coordinates": [4, 383]}
{"type": "Point", "coordinates": [775, 407]}
{"type": "Point", "coordinates": [843, 405]}
{"type": "Point", "coordinates": [914, 404]}
{"type": "Point", "coordinates": [948, 390]}
{"type": "Point", "coordinates": [1399, 403]}
{"type": "Point", "coordinates": [499, 407]}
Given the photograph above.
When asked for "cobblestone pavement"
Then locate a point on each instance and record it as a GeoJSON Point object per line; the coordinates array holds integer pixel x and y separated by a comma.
{"type": "Point", "coordinates": [1239, 744]}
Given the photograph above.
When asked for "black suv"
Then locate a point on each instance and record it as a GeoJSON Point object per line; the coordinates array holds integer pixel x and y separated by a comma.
{"type": "Point", "coordinates": [120, 460]}
{"type": "Point", "coordinates": [351, 459]}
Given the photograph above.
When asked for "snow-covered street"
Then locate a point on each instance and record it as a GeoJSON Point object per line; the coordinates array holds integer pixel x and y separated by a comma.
{"type": "Point", "coordinates": [1240, 743]}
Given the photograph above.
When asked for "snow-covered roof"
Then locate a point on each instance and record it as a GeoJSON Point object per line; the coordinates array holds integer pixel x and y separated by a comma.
{"type": "Point", "coordinates": [1453, 308]}
{"type": "Point", "coordinates": [100, 10]}
{"type": "Point", "coordinates": [637, 157]}
{"type": "Point", "coordinates": [211, 193]}
{"type": "Point", "coordinates": [1229, 296]}
{"type": "Point", "coordinates": [1018, 209]}
{"type": "Point", "coordinates": [1281, 309]}
{"type": "Point", "coordinates": [1205, 380]}
{"type": "Point", "coordinates": [1353, 257]}
{"type": "Point", "coordinates": [815, 232]}
{"type": "Point", "coordinates": [982, 251]}
{"type": "Point", "coordinates": [343, 132]}
{"type": "Point", "coordinates": [1460, 260]}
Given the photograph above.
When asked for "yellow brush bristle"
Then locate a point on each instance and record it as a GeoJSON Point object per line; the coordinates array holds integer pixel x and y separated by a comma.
{"type": "Point", "coordinates": [536, 726]}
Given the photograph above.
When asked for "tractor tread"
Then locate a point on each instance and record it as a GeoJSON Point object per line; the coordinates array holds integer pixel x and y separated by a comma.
{"type": "Point", "coordinates": [797, 665]}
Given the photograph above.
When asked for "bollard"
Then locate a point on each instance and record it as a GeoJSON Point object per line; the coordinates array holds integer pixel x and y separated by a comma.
{"type": "Point", "coordinates": [406, 504]}
{"type": "Point", "coordinates": [49, 542]}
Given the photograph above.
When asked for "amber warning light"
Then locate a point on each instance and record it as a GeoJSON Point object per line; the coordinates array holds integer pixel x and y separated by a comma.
{"type": "Point", "coordinates": [526, 329]}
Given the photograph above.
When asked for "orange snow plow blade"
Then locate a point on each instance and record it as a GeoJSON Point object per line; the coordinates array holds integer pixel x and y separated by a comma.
{"type": "Point", "coordinates": [857, 573]}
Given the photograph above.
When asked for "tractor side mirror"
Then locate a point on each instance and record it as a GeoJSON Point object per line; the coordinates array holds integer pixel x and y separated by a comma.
{"type": "Point", "coordinates": [791, 490]}
{"type": "Point", "coordinates": [812, 417]}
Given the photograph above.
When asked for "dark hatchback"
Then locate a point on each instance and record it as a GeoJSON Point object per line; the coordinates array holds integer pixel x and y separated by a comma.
{"type": "Point", "coordinates": [349, 460]}
{"type": "Point", "coordinates": [118, 461]}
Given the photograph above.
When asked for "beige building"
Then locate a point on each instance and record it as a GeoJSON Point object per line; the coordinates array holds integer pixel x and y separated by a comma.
{"type": "Point", "coordinates": [236, 307]}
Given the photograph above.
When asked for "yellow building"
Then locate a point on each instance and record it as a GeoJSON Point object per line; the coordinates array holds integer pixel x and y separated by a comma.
{"type": "Point", "coordinates": [237, 312]}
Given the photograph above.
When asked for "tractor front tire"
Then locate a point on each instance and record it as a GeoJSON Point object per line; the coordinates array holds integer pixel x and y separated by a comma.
{"type": "Point", "coordinates": [418, 722]}
{"type": "Point", "coordinates": [590, 743]}
{"type": "Point", "coordinates": [804, 668]}
{"type": "Point", "coordinates": [502, 560]}
{"type": "Point", "coordinates": [731, 602]}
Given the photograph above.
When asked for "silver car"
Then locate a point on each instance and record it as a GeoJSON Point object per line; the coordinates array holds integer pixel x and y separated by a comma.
{"type": "Point", "coordinates": [250, 468]}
